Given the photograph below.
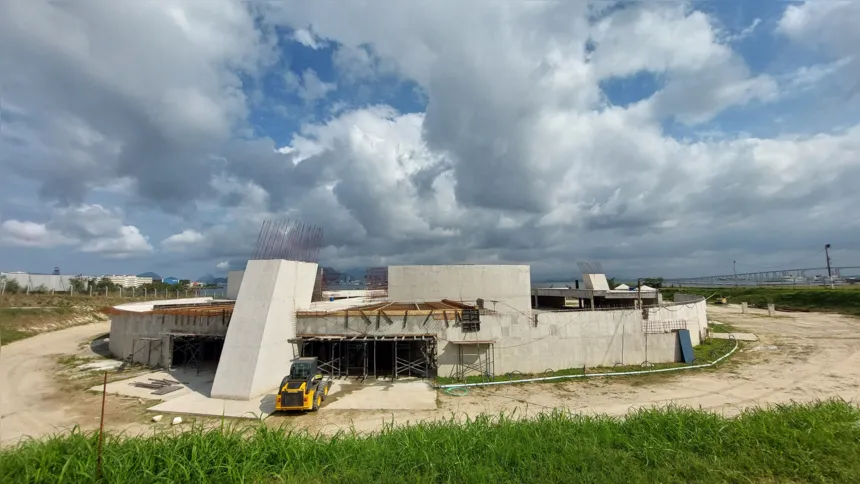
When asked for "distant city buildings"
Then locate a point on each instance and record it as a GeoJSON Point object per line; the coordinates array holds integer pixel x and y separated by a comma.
{"type": "Point", "coordinates": [127, 280]}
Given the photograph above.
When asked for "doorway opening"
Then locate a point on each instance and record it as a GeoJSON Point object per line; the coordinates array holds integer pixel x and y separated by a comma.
{"type": "Point", "coordinates": [194, 351]}
{"type": "Point", "coordinates": [376, 357]}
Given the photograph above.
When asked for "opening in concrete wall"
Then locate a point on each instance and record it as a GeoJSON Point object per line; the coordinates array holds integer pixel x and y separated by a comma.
{"type": "Point", "coordinates": [374, 357]}
{"type": "Point", "coordinates": [195, 352]}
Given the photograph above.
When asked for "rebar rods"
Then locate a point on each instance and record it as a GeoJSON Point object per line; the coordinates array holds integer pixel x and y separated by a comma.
{"type": "Point", "coordinates": [590, 267]}
{"type": "Point", "coordinates": [288, 240]}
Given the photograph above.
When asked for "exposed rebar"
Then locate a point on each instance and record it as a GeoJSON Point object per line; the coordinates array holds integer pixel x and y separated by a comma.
{"type": "Point", "coordinates": [288, 240]}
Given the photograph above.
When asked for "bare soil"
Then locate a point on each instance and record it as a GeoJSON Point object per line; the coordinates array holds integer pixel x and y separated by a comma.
{"type": "Point", "coordinates": [799, 356]}
{"type": "Point", "coordinates": [35, 398]}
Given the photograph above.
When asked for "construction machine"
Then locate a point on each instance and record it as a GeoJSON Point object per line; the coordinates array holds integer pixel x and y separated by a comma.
{"type": "Point", "coordinates": [305, 388]}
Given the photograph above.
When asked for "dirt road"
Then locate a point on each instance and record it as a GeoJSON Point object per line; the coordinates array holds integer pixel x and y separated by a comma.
{"type": "Point", "coordinates": [800, 356]}
{"type": "Point", "coordinates": [31, 401]}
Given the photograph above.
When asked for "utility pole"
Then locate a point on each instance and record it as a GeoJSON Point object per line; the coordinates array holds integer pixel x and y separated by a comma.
{"type": "Point", "coordinates": [735, 270]}
{"type": "Point", "coordinates": [827, 255]}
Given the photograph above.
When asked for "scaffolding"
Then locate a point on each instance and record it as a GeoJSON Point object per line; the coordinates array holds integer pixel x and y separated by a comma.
{"type": "Point", "coordinates": [371, 356]}
{"type": "Point", "coordinates": [144, 343]}
{"type": "Point", "coordinates": [191, 347]}
{"type": "Point", "coordinates": [376, 281]}
{"type": "Point", "coordinates": [471, 359]}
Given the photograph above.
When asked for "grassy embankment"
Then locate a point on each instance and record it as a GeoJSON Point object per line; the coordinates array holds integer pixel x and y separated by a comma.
{"type": "Point", "coordinates": [25, 315]}
{"type": "Point", "coordinates": [816, 442]}
{"type": "Point", "coordinates": [843, 300]}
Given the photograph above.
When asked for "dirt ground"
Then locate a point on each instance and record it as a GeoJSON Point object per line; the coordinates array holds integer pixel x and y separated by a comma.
{"type": "Point", "coordinates": [33, 402]}
{"type": "Point", "coordinates": [799, 356]}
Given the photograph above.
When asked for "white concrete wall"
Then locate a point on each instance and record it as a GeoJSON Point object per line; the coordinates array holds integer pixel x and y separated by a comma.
{"type": "Point", "coordinates": [570, 339]}
{"type": "Point", "coordinates": [234, 281]}
{"type": "Point", "coordinates": [50, 282]}
{"type": "Point", "coordinates": [596, 282]}
{"type": "Point", "coordinates": [510, 285]}
{"type": "Point", "coordinates": [257, 353]}
{"type": "Point", "coordinates": [126, 328]}
{"type": "Point", "coordinates": [694, 313]}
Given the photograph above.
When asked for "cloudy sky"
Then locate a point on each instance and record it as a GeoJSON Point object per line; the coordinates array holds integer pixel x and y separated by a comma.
{"type": "Point", "coordinates": [660, 138]}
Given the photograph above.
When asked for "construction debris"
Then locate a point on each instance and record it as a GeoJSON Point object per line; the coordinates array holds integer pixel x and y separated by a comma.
{"type": "Point", "coordinates": [161, 386]}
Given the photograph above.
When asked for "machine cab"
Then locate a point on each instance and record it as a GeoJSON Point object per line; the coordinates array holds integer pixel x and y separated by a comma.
{"type": "Point", "coordinates": [304, 370]}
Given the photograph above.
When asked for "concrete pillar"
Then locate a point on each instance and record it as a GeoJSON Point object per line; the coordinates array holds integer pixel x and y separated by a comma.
{"type": "Point", "coordinates": [591, 302]}
{"type": "Point", "coordinates": [771, 310]}
{"type": "Point", "coordinates": [257, 351]}
{"type": "Point", "coordinates": [743, 308]}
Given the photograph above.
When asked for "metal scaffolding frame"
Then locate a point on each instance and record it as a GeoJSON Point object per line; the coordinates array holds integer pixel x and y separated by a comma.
{"type": "Point", "coordinates": [484, 362]}
{"type": "Point", "coordinates": [191, 347]}
{"type": "Point", "coordinates": [411, 355]}
{"type": "Point", "coordinates": [414, 366]}
{"type": "Point", "coordinates": [149, 341]}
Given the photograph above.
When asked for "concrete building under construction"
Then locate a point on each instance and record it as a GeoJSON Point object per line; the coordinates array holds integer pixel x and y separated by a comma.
{"type": "Point", "coordinates": [423, 321]}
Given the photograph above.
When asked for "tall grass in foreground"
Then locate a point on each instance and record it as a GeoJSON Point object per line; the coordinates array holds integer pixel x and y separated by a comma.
{"type": "Point", "coordinates": [817, 442]}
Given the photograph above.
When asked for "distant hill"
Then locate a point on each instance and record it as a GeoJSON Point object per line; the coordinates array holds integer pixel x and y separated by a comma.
{"type": "Point", "coordinates": [210, 279]}
{"type": "Point", "coordinates": [153, 275]}
{"type": "Point", "coordinates": [207, 278]}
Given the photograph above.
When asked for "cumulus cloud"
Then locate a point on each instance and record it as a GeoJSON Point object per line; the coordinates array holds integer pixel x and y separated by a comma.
{"type": "Point", "coordinates": [182, 241]}
{"type": "Point", "coordinates": [830, 26]}
{"type": "Point", "coordinates": [224, 265]}
{"type": "Point", "coordinates": [99, 102]}
{"type": "Point", "coordinates": [29, 234]}
{"type": "Point", "coordinates": [90, 228]}
{"type": "Point", "coordinates": [307, 38]}
{"type": "Point", "coordinates": [308, 87]}
{"type": "Point", "coordinates": [519, 155]}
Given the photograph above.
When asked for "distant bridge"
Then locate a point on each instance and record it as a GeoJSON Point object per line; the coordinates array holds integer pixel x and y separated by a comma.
{"type": "Point", "coordinates": [810, 276]}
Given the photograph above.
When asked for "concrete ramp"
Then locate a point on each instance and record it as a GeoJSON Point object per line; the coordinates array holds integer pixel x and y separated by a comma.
{"type": "Point", "coordinates": [257, 351]}
{"type": "Point", "coordinates": [596, 282]}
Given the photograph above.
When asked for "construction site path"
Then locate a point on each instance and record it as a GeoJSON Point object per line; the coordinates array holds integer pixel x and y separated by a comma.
{"type": "Point", "coordinates": [799, 357]}
{"type": "Point", "coordinates": [29, 404]}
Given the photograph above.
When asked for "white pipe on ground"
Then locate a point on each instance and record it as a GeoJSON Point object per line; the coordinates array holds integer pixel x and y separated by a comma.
{"type": "Point", "coordinates": [588, 375]}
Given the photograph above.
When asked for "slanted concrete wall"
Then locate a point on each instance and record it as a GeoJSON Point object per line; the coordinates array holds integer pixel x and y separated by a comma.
{"type": "Point", "coordinates": [510, 285]}
{"type": "Point", "coordinates": [570, 339]}
{"type": "Point", "coordinates": [257, 353]}
{"type": "Point", "coordinates": [596, 282]}
{"type": "Point", "coordinates": [234, 281]}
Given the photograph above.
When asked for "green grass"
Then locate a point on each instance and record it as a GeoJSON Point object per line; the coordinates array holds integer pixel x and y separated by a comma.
{"type": "Point", "coordinates": [816, 442]}
{"type": "Point", "coordinates": [8, 335]}
{"type": "Point", "coordinates": [844, 300]}
{"type": "Point", "coordinates": [17, 323]}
